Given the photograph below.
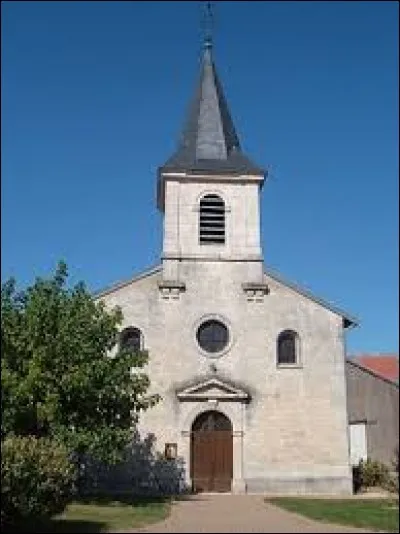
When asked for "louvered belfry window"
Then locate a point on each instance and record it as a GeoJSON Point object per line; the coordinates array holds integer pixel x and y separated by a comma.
{"type": "Point", "coordinates": [212, 220]}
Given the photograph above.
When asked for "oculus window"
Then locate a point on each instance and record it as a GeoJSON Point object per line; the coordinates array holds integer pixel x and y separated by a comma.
{"type": "Point", "coordinates": [212, 336]}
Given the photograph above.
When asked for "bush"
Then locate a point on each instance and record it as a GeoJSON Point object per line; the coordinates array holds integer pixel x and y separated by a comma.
{"type": "Point", "coordinates": [37, 479]}
{"type": "Point", "coordinates": [396, 462]}
{"type": "Point", "coordinates": [371, 473]}
{"type": "Point", "coordinates": [393, 482]}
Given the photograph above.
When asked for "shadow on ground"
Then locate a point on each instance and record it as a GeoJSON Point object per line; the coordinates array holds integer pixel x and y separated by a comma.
{"type": "Point", "coordinates": [58, 526]}
{"type": "Point", "coordinates": [93, 523]}
{"type": "Point", "coordinates": [123, 498]}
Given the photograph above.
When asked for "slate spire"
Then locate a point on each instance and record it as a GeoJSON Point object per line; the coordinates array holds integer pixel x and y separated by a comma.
{"type": "Point", "coordinates": [209, 141]}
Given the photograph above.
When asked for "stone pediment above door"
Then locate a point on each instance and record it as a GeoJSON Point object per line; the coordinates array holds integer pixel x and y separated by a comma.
{"type": "Point", "coordinates": [212, 389]}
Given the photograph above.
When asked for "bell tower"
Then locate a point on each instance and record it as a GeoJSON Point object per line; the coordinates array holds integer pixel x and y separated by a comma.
{"type": "Point", "coordinates": [209, 190]}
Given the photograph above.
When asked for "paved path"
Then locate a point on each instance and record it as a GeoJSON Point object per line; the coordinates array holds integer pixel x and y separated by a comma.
{"type": "Point", "coordinates": [236, 513]}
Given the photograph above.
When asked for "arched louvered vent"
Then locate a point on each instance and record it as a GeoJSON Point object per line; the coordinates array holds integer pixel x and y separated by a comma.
{"type": "Point", "coordinates": [212, 220]}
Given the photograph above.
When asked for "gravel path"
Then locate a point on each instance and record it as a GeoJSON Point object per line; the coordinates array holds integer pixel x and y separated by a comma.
{"type": "Point", "coordinates": [236, 513]}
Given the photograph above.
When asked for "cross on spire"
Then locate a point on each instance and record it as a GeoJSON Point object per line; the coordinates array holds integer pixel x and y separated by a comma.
{"type": "Point", "coordinates": [208, 22]}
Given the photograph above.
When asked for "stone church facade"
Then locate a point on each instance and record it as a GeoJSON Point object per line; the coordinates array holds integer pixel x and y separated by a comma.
{"type": "Point", "coordinates": [250, 368]}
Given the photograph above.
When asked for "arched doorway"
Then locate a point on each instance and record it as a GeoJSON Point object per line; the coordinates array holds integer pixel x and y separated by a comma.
{"type": "Point", "coordinates": [211, 452]}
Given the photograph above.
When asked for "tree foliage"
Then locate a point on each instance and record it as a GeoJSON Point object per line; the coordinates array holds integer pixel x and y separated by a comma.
{"type": "Point", "coordinates": [58, 379]}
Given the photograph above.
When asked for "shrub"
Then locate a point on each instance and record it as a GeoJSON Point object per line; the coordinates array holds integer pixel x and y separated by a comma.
{"type": "Point", "coordinates": [396, 462]}
{"type": "Point", "coordinates": [372, 473]}
{"type": "Point", "coordinates": [393, 482]}
{"type": "Point", "coordinates": [37, 479]}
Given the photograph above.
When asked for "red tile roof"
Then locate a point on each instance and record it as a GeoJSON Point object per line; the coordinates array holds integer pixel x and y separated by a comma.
{"type": "Point", "coordinates": [386, 365]}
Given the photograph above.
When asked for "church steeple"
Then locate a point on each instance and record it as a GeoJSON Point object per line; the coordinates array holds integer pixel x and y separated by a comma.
{"type": "Point", "coordinates": [209, 190]}
{"type": "Point", "coordinates": [209, 141]}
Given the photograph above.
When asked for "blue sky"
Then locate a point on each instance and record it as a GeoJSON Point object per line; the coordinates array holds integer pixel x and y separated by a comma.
{"type": "Point", "coordinates": [93, 98]}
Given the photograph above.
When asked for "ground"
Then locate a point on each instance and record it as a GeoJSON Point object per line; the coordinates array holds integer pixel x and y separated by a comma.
{"type": "Point", "coordinates": [101, 514]}
{"type": "Point", "coordinates": [237, 513]}
{"type": "Point", "coordinates": [226, 513]}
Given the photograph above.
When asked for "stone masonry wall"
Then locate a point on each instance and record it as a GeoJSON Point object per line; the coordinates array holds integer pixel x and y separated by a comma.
{"type": "Point", "coordinates": [295, 427]}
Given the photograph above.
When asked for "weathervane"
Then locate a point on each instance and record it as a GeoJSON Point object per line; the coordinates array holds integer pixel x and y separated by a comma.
{"type": "Point", "coordinates": [208, 21]}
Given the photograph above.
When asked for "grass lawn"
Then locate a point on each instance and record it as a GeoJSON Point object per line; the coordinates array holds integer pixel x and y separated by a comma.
{"type": "Point", "coordinates": [102, 515]}
{"type": "Point", "coordinates": [373, 514]}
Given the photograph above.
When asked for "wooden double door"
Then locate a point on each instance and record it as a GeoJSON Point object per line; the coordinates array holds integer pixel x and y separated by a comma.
{"type": "Point", "coordinates": [212, 452]}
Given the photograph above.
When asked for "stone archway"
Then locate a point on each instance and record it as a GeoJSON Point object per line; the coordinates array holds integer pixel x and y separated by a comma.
{"type": "Point", "coordinates": [211, 452]}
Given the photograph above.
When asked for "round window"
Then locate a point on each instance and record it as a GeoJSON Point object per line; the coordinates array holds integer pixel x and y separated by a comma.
{"type": "Point", "coordinates": [212, 336]}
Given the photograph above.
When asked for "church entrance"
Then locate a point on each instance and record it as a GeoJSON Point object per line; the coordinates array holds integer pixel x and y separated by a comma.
{"type": "Point", "coordinates": [211, 452]}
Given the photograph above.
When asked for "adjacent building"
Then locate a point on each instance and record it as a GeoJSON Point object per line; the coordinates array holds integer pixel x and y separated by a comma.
{"type": "Point", "coordinates": [373, 407]}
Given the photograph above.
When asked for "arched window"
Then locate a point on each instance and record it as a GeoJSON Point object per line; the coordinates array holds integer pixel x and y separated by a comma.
{"type": "Point", "coordinates": [131, 339]}
{"type": "Point", "coordinates": [287, 347]}
{"type": "Point", "coordinates": [212, 220]}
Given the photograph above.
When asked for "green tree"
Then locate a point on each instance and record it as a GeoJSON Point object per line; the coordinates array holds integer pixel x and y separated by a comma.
{"type": "Point", "coordinates": [58, 379]}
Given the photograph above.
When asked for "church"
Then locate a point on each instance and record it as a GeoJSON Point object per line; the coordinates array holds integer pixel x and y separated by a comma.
{"type": "Point", "coordinates": [250, 367]}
